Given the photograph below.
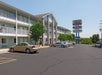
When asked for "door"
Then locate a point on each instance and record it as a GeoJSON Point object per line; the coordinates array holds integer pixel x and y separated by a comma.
{"type": "Point", "coordinates": [18, 47]}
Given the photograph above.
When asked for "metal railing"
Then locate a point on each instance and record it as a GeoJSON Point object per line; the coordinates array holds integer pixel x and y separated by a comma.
{"type": "Point", "coordinates": [13, 30]}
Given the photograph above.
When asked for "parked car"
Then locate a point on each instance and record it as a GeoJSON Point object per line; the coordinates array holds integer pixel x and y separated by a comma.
{"type": "Point", "coordinates": [73, 43]}
{"type": "Point", "coordinates": [24, 47]}
{"type": "Point", "coordinates": [98, 44]}
{"type": "Point", "coordinates": [67, 43]}
{"type": "Point", "coordinates": [59, 44]}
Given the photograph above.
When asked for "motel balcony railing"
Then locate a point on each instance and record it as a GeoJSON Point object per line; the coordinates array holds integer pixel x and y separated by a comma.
{"type": "Point", "coordinates": [13, 31]}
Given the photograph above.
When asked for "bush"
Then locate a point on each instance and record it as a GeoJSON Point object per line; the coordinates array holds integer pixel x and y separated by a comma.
{"type": "Point", "coordinates": [86, 41]}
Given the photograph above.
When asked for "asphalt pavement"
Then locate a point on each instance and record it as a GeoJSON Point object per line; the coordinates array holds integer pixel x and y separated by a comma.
{"type": "Point", "coordinates": [76, 60]}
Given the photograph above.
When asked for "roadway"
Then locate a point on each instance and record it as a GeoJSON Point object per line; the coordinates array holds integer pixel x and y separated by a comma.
{"type": "Point", "coordinates": [76, 60]}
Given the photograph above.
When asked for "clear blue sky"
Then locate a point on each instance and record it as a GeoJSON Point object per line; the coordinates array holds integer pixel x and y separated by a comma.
{"type": "Point", "coordinates": [90, 11]}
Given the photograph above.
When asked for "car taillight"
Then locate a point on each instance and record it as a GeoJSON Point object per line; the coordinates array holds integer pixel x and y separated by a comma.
{"type": "Point", "coordinates": [33, 46]}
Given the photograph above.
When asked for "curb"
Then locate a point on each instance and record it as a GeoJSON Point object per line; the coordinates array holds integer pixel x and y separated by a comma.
{"type": "Point", "coordinates": [44, 47]}
{"type": "Point", "coordinates": [4, 51]}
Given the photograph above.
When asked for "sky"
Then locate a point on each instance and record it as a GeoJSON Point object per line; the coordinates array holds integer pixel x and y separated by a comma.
{"type": "Point", "coordinates": [65, 11]}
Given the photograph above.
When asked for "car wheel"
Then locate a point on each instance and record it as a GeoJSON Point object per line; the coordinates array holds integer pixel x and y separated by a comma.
{"type": "Point", "coordinates": [100, 46]}
{"type": "Point", "coordinates": [27, 51]}
{"type": "Point", "coordinates": [36, 51]}
{"type": "Point", "coordinates": [11, 50]}
{"type": "Point", "coordinates": [62, 46]}
{"type": "Point", "coordinates": [53, 46]}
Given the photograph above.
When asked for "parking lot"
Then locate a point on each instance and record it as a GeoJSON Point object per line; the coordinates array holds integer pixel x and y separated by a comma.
{"type": "Point", "coordinates": [4, 60]}
{"type": "Point", "coordinates": [76, 60]}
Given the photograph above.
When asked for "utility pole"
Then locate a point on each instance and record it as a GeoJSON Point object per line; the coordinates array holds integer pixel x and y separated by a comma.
{"type": "Point", "coordinates": [101, 30]}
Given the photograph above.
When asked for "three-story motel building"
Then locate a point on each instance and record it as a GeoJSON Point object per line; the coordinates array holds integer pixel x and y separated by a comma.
{"type": "Point", "coordinates": [15, 25]}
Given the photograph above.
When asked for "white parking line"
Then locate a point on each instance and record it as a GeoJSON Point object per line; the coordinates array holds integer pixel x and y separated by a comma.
{"type": "Point", "coordinates": [4, 60]}
{"type": "Point", "coordinates": [70, 47]}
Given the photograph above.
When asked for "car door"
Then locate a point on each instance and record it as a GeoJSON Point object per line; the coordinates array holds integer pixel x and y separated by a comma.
{"type": "Point", "coordinates": [22, 47]}
{"type": "Point", "coordinates": [59, 44]}
{"type": "Point", "coordinates": [17, 47]}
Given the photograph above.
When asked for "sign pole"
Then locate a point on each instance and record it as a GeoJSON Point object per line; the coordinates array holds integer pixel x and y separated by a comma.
{"type": "Point", "coordinates": [77, 28]}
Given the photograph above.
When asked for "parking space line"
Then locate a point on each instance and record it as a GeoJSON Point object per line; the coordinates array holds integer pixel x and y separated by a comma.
{"type": "Point", "coordinates": [71, 47]}
{"type": "Point", "coordinates": [4, 60]}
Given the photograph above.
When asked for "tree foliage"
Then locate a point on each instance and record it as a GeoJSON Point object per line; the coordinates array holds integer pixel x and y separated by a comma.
{"type": "Point", "coordinates": [66, 37]}
{"type": "Point", "coordinates": [62, 37]}
{"type": "Point", "coordinates": [37, 30]}
{"type": "Point", "coordinates": [95, 38]}
{"type": "Point", "coordinates": [70, 37]}
{"type": "Point", "coordinates": [86, 41]}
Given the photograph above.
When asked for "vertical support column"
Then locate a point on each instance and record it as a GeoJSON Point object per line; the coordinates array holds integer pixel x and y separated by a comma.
{"type": "Point", "coordinates": [101, 36]}
{"type": "Point", "coordinates": [53, 30]}
{"type": "Point", "coordinates": [78, 38]}
{"type": "Point", "coordinates": [76, 34]}
{"type": "Point", "coordinates": [29, 29]}
{"type": "Point", "coordinates": [16, 29]}
{"type": "Point", "coordinates": [48, 33]}
{"type": "Point", "coordinates": [43, 40]}
{"type": "Point", "coordinates": [101, 32]}
{"type": "Point", "coordinates": [56, 32]}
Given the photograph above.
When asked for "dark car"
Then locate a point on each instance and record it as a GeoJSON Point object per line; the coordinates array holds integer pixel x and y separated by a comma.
{"type": "Point", "coordinates": [98, 44]}
{"type": "Point", "coordinates": [59, 44]}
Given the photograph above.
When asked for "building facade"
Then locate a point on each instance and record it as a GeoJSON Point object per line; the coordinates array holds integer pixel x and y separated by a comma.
{"type": "Point", "coordinates": [15, 25]}
{"type": "Point", "coordinates": [50, 24]}
{"type": "Point", "coordinates": [62, 30]}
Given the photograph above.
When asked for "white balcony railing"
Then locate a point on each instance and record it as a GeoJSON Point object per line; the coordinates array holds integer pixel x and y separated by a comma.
{"type": "Point", "coordinates": [13, 31]}
{"type": "Point", "coordinates": [7, 19]}
{"type": "Point", "coordinates": [23, 32]}
{"type": "Point", "coordinates": [14, 21]}
{"type": "Point", "coordinates": [7, 30]}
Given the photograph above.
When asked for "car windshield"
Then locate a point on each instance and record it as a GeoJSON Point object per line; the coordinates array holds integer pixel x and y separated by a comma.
{"type": "Point", "coordinates": [31, 43]}
{"type": "Point", "coordinates": [99, 42]}
{"type": "Point", "coordinates": [65, 42]}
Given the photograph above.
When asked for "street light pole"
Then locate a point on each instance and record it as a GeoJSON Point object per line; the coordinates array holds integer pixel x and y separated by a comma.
{"type": "Point", "coordinates": [101, 30]}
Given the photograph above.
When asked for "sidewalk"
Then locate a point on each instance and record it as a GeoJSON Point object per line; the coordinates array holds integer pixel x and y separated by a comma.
{"type": "Point", "coordinates": [44, 46]}
{"type": "Point", "coordinates": [6, 50]}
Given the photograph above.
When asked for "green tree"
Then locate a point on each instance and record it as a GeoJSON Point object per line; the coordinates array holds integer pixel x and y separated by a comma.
{"type": "Point", "coordinates": [37, 30]}
{"type": "Point", "coordinates": [86, 41]}
{"type": "Point", "coordinates": [62, 37]}
{"type": "Point", "coordinates": [95, 38]}
{"type": "Point", "coordinates": [70, 37]}
{"type": "Point", "coordinates": [66, 37]}
{"type": "Point", "coordinates": [73, 39]}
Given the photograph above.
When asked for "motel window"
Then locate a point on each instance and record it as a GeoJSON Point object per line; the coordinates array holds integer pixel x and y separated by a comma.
{"type": "Point", "coordinates": [14, 27]}
{"type": "Point", "coordinates": [1, 12]}
{"type": "Point", "coordinates": [14, 40]}
{"type": "Point", "coordinates": [3, 40]}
